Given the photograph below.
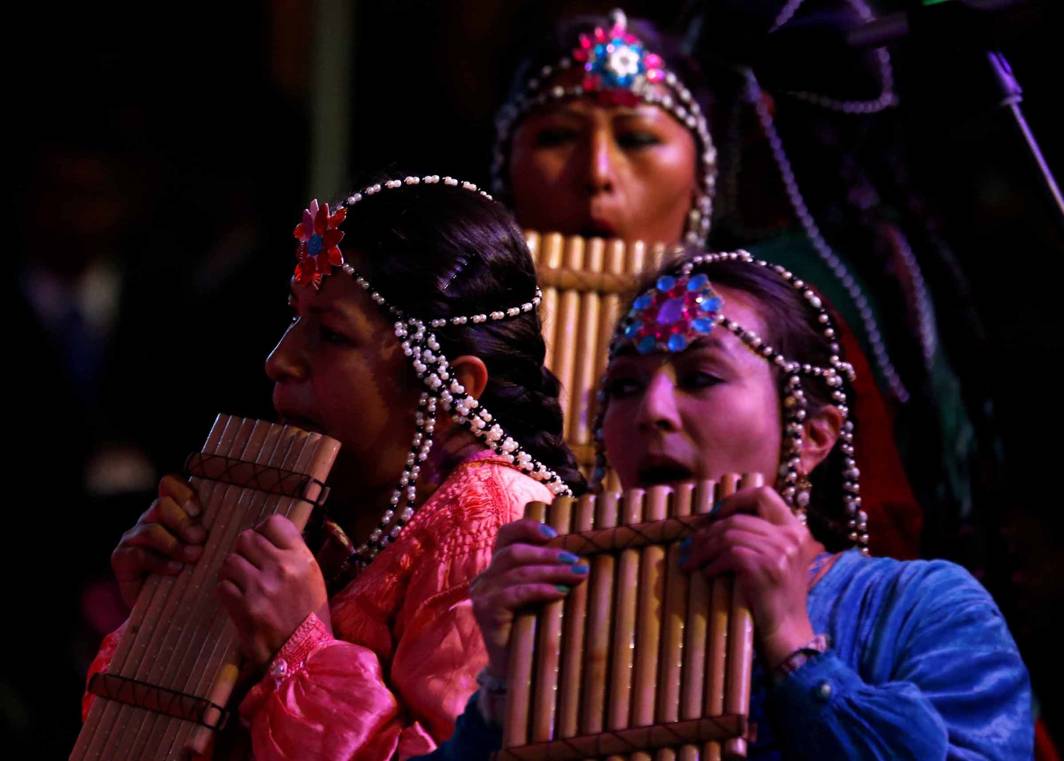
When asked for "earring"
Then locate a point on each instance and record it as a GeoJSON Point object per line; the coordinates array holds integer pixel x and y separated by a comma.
{"type": "Point", "coordinates": [801, 496]}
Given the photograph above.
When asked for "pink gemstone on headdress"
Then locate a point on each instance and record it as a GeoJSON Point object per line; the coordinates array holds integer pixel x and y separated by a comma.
{"type": "Point", "coordinates": [671, 311]}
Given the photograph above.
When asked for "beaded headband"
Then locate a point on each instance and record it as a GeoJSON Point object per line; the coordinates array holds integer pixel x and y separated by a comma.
{"type": "Point", "coordinates": [318, 254]}
{"type": "Point", "coordinates": [683, 307]}
{"type": "Point", "coordinates": [618, 70]}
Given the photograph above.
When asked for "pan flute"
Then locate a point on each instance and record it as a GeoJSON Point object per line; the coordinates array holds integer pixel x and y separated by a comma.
{"type": "Point", "coordinates": [642, 661]}
{"type": "Point", "coordinates": [164, 694]}
{"type": "Point", "coordinates": [584, 283]}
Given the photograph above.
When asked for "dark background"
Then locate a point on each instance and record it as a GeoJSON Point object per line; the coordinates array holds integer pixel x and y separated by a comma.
{"type": "Point", "coordinates": [189, 127]}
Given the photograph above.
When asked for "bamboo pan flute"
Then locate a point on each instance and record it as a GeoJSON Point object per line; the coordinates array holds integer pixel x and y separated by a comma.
{"type": "Point", "coordinates": [165, 692]}
{"type": "Point", "coordinates": [584, 283]}
{"type": "Point", "coordinates": [642, 661]}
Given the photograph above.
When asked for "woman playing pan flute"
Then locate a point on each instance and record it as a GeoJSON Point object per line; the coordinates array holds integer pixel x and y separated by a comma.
{"type": "Point", "coordinates": [414, 315]}
{"type": "Point", "coordinates": [730, 364]}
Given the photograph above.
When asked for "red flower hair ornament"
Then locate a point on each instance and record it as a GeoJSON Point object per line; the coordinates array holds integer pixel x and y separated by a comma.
{"type": "Point", "coordinates": [319, 237]}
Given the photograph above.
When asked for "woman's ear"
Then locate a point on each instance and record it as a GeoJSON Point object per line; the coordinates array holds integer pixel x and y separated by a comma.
{"type": "Point", "coordinates": [472, 373]}
{"type": "Point", "coordinates": [819, 434]}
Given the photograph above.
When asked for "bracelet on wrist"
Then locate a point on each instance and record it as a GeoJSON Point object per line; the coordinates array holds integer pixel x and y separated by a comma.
{"type": "Point", "coordinates": [818, 645]}
{"type": "Point", "coordinates": [491, 682]}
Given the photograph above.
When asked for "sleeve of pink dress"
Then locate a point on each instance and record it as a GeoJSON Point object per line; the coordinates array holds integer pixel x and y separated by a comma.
{"type": "Point", "coordinates": [100, 663]}
{"type": "Point", "coordinates": [400, 694]}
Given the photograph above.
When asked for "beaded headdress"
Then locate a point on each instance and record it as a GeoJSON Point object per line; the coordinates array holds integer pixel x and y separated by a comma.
{"type": "Point", "coordinates": [617, 70]}
{"type": "Point", "coordinates": [683, 307]}
{"type": "Point", "coordinates": [319, 255]}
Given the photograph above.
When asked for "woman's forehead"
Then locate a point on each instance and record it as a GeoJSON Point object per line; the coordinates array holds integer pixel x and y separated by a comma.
{"type": "Point", "coordinates": [587, 106]}
{"type": "Point", "coordinates": [720, 344]}
{"type": "Point", "coordinates": [587, 109]}
{"type": "Point", "coordinates": [338, 294]}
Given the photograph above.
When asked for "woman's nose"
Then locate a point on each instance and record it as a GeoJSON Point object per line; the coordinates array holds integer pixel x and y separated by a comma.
{"type": "Point", "coordinates": [286, 361]}
{"type": "Point", "coordinates": [658, 409]}
{"type": "Point", "coordinates": [601, 169]}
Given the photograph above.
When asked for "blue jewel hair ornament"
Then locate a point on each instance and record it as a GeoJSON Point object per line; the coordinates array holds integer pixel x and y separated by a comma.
{"type": "Point", "coordinates": [672, 314]}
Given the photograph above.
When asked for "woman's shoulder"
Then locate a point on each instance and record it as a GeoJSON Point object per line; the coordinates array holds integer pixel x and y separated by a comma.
{"type": "Point", "coordinates": [930, 575]}
{"type": "Point", "coordinates": [480, 495]}
{"type": "Point", "coordinates": [912, 620]}
{"type": "Point", "coordinates": [912, 592]}
{"type": "Point", "coordinates": [931, 578]}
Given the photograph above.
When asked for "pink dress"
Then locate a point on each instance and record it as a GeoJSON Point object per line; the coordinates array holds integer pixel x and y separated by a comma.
{"type": "Point", "coordinates": [405, 651]}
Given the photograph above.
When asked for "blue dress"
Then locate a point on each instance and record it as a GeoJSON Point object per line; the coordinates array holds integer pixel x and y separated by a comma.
{"type": "Point", "coordinates": [921, 666]}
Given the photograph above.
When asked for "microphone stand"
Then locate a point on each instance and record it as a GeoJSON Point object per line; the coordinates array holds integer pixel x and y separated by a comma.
{"type": "Point", "coordinates": [1011, 96]}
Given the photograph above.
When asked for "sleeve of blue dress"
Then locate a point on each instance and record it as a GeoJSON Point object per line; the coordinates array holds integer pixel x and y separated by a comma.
{"type": "Point", "coordinates": [473, 739]}
{"type": "Point", "coordinates": [922, 666]}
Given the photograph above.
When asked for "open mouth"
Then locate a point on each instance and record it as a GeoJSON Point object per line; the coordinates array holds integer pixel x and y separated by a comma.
{"type": "Point", "coordinates": [598, 231]}
{"type": "Point", "coordinates": [599, 228]}
{"type": "Point", "coordinates": [663, 473]}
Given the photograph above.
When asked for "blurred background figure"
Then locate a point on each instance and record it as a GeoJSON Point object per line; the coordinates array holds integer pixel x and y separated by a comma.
{"type": "Point", "coordinates": [144, 249]}
{"type": "Point", "coordinates": [157, 163]}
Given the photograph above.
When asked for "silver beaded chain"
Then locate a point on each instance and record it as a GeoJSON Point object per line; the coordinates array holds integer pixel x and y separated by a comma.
{"type": "Point", "coordinates": [820, 245]}
{"type": "Point", "coordinates": [886, 97]}
{"type": "Point", "coordinates": [924, 309]}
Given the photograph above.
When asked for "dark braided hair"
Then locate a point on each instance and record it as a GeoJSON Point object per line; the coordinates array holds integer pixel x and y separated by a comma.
{"type": "Point", "coordinates": [438, 251]}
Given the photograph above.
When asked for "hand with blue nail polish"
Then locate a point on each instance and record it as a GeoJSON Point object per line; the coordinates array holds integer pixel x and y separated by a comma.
{"type": "Point", "coordinates": [522, 572]}
{"type": "Point", "coordinates": [755, 535]}
{"type": "Point", "coordinates": [685, 550]}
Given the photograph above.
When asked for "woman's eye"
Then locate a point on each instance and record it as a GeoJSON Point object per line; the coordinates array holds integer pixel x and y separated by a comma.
{"type": "Point", "coordinates": [699, 380]}
{"type": "Point", "coordinates": [637, 139]}
{"type": "Point", "coordinates": [622, 387]}
{"type": "Point", "coordinates": [332, 337]}
{"type": "Point", "coordinates": [548, 137]}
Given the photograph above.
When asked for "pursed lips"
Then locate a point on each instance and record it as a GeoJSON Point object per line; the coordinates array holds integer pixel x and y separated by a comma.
{"type": "Point", "coordinates": [287, 415]}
